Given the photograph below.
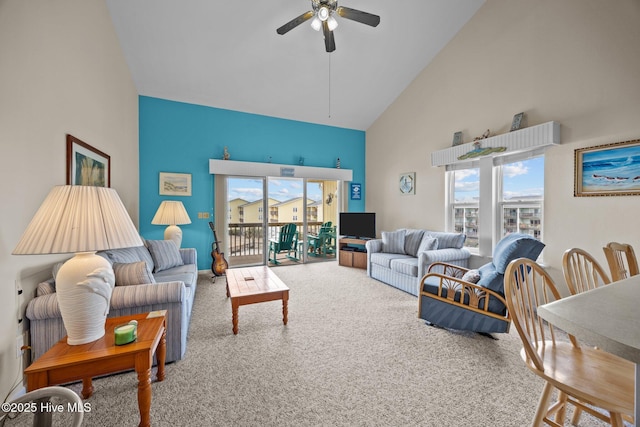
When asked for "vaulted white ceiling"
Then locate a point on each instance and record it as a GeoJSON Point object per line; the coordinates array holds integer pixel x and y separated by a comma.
{"type": "Point", "coordinates": [227, 54]}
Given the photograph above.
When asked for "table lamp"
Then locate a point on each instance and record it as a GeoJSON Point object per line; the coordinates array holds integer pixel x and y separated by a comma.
{"type": "Point", "coordinates": [82, 220]}
{"type": "Point", "coordinates": [171, 213]}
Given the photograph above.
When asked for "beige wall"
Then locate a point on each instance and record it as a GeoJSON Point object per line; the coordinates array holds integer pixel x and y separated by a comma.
{"type": "Point", "coordinates": [61, 71]}
{"type": "Point", "coordinates": [576, 62]}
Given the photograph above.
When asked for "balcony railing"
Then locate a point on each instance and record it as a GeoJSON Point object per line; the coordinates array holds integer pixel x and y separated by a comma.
{"type": "Point", "coordinates": [246, 239]}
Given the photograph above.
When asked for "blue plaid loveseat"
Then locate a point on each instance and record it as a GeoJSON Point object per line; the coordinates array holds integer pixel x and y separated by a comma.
{"type": "Point", "coordinates": [400, 258]}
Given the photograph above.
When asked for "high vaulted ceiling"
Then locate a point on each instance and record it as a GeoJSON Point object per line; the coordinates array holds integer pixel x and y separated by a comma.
{"type": "Point", "coordinates": [227, 54]}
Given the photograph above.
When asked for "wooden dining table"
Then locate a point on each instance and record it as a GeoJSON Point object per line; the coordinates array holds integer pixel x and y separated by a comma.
{"type": "Point", "coordinates": [607, 317]}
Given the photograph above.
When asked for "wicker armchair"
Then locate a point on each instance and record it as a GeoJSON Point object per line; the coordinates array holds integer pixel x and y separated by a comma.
{"type": "Point", "coordinates": [473, 300]}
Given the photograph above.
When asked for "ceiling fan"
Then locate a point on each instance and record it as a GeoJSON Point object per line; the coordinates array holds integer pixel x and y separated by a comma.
{"type": "Point", "coordinates": [323, 17]}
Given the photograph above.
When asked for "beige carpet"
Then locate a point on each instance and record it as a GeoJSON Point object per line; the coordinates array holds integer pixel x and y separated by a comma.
{"type": "Point", "coordinates": [353, 354]}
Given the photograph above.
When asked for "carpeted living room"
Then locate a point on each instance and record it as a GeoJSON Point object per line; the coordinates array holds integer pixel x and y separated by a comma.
{"type": "Point", "coordinates": [353, 353]}
{"type": "Point", "coordinates": [435, 98]}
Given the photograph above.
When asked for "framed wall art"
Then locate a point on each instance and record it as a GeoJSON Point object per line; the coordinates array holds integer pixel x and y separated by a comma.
{"type": "Point", "coordinates": [516, 123]}
{"type": "Point", "coordinates": [608, 170]}
{"type": "Point", "coordinates": [457, 139]}
{"type": "Point", "coordinates": [408, 183]}
{"type": "Point", "coordinates": [175, 184]}
{"type": "Point", "coordinates": [356, 191]}
{"type": "Point", "coordinates": [87, 165]}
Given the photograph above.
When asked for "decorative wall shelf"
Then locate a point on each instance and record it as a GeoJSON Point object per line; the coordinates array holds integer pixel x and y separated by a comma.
{"type": "Point", "coordinates": [238, 168]}
{"type": "Point", "coordinates": [526, 139]}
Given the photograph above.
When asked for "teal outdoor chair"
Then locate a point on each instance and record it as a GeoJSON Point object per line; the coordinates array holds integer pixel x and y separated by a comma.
{"type": "Point", "coordinates": [287, 241]}
{"type": "Point", "coordinates": [324, 243]}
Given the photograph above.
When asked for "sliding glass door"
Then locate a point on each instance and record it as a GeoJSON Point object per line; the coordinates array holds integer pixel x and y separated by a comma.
{"type": "Point", "coordinates": [246, 217]}
{"type": "Point", "coordinates": [255, 223]}
{"type": "Point", "coordinates": [322, 213]}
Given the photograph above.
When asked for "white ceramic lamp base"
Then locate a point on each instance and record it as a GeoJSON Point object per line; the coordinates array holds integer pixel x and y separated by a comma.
{"type": "Point", "coordinates": [173, 232]}
{"type": "Point", "coordinates": [83, 287]}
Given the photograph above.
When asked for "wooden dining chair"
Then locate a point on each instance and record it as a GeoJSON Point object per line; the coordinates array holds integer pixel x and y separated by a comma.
{"type": "Point", "coordinates": [621, 259]}
{"type": "Point", "coordinates": [580, 374]}
{"type": "Point", "coordinates": [582, 271]}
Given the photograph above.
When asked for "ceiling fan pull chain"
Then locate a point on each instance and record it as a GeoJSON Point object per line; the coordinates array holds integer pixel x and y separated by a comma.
{"type": "Point", "coordinates": [329, 85]}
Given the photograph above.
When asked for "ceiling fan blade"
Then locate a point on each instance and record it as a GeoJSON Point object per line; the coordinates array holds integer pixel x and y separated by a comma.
{"type": "Point", "coordinates": [329, 42]}
{"type": "Point", "coordinates": [294, 22]}
{"type": "Point", "coordinates": [358, 16]}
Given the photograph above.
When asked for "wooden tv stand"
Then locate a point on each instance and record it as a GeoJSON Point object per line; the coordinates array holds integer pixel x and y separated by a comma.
{"type": "Point", "coordinates": [351, 258]}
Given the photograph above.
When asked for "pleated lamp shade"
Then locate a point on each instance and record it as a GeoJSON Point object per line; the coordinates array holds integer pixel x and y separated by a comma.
{"type": "Point", "coordinates": [171, 213]}
{"type": "Point", "coordinates": [81, 219]}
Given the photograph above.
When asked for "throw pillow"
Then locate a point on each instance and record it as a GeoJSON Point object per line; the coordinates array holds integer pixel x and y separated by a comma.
{"type": "Point", "coordinates": [428, 243]}
{"type": "Point", "coordinates": [448, 240]}
{"type": "Point", "coordinates": [45, 288]}
{"type": "Point", "coordinates": [165, 254]}
{"type": "Point", "coordinates": [127, 255]}
{"type": "Point", "coordinates": [393, 242]}
{"type": "Point", "coordinates": [133, 273]}
{"type": "Point", "coordinates": [471, 276]}
{"type": "Point", "coordinates": [412, 241]}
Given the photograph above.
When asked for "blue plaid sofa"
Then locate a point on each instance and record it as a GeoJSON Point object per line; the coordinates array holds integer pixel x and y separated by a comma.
{"type": "Point", "coordinates": [400, 258]}
{"type": "Point", "coordinates": [148, 278]}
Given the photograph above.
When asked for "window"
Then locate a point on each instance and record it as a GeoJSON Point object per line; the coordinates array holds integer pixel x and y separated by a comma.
{"type": "Point", "coordinates": [295, 209]}
{"type": "Point", "coordinates": [521, 197]}
{"type": "Point", "coordinates": [515, 183]}
{"type": "Point", "coordinates": [466, 197]}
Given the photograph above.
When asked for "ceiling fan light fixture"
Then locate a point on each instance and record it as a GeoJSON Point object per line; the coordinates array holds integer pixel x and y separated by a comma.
{"type": "Point", "coordinates": [316, 24]}
{"type": "Point", "coordinates": [323, 13]}
{"type": "Point", "coordinates": [332, 23]}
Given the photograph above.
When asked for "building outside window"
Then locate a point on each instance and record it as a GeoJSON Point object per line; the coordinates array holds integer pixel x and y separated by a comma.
{"type": "Point", "coordinates": [466, 202]}
{"type": "Point", "coordinates": [517, 184]}
{"type": "Point", "coordinates": [522, 196]}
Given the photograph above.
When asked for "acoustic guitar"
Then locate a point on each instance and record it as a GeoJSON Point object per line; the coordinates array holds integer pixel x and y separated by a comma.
{"type": "Point", "coordinates": [219, 265]}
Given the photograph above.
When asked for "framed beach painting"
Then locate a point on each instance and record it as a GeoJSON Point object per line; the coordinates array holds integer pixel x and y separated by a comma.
{"type": "Point", "coordinates": [608, 170]}
{"type": "Point", "coordinates": [175, 184]}
{"type": "Point", "coordinates": [87, 165]}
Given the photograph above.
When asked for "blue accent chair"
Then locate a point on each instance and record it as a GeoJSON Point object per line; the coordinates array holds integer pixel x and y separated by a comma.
{"type": "Point", "coordinates": [473, 300]}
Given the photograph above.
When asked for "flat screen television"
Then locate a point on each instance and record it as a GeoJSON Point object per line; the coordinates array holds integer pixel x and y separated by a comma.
{"type": "Point", "coordinates": [360, 225]}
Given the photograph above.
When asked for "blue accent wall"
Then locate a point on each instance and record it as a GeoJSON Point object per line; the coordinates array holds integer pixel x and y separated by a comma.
{"type": "Point", "coordinates": [181, 138]}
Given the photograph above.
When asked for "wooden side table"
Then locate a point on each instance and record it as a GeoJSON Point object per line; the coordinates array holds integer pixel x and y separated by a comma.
{"type": "Point", "coordinates": [65, 363]}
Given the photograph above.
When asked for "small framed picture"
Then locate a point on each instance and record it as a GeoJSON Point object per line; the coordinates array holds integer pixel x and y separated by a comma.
{"type": "Point", "coordinates": [87, 165]}
{"type": "Point", "coordinates": [408, 183]}
{"type": "Point", "coordinates": [356, 191]}
{"type": "Point", "coordinates": [175, 184]}
{"type": "Point", "coordinates": [517, 121]}
{"type": "Point", "coordinates": [457, 139]}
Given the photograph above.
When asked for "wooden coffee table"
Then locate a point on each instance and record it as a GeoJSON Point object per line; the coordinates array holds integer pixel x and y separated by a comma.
{"type": "Point", "coordinates": [252, 285]}
{"type": "Point", "coordinates": [64, 363]}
